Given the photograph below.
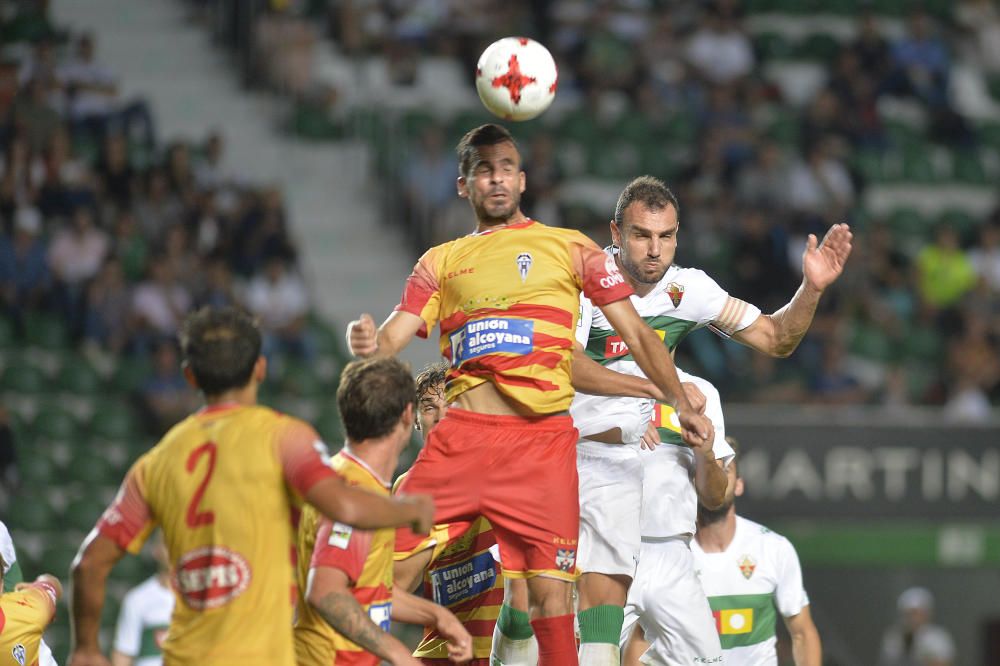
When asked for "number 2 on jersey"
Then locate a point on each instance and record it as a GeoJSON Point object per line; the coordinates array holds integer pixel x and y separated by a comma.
{"type": "Point", "coordinates": [196, 518]}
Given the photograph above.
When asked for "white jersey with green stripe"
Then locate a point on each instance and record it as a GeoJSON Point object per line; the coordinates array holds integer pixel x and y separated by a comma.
{"type": "Point", "coordinates": [143, 622]}
{"type": "Point", "coordinates": [747, 585]}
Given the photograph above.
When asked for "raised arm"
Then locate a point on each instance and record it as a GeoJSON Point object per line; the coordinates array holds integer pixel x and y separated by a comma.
{"type": "Point", "coordinates": [779, 334]}
{"type": "Point", "coordinates": [806, 647]}
{"type": "Point", "coordinates": [364, 340]}
{"type": "Point", "coordinates": [654, 359]}
{"type": "Point", "coordinates": [90, 570]}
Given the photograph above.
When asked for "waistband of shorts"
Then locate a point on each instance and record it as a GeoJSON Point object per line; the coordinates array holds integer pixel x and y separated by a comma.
{"type": "Point", "coordinates": [558, 422]}
{"type": "Point", "coordinates": [676, 538]}
{"type": "Point", "coordinates": [592, 449]}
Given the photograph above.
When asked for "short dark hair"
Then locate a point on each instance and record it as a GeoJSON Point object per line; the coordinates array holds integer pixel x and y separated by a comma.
{"type": "Point", "coordinates": [372, 396]}
{"type": "Point", "coordinates": [429, 377]}
{"type": "Point", "coordinates": [651, 192]}
{"type": "Point", "coordinates": [220, 345]}
{"type": "Point", "coordinates": [468, 147]}
{"type": "Point", "coordinates": [734, 444]}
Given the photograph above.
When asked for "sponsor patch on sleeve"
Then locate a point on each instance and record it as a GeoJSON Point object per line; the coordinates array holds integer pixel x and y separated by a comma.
{"type": "Point", "coordinates": [340, 536]}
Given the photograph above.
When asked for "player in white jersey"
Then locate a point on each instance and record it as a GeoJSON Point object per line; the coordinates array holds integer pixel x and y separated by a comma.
{"type": "Point", "coordinates": [12, 575]}
{"type": "Point", "coordinates": [751, 574]}
{"type": "Point", "coordinates": [674, 301]}
{"type": "Point", "coordinates": [145, 617]}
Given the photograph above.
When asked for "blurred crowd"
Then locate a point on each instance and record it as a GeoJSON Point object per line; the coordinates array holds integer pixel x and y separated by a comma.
{"type": "Point", "coordinates": [112, 233]}
{"type": "Point", "coordinates": [680, 88]}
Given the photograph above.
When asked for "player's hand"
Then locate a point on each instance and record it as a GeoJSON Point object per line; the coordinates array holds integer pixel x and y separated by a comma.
{"type": "Point", "coordinates": [85, 657]}
{"type": "Point", "coordinates": [695, 396]}
{"type": "Point", "coordinates": [362, 336]}
{"type": "Point", "coordinates": [458, 637]}
{"type": "Point", "coordinates": [822, 263]}
{"type": "Point", "coordinates": [651, 438]}
{"type": "Point", "coordinates": [697, 431]}
{"type": "Point", "coordinates": [423, 512]}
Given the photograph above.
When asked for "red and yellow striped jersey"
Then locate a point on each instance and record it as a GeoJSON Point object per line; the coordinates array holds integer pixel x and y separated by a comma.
{"type": "Point", "coordinates": [224, 484]}
{"type": "Point", "coordinates": [24, 615]}
{"type": "Point", "coordinates": [507, 301]}
{"type": "Point", "coordinates": [366, 558]}
{"type": "Point", "coordinates": [464, 577]}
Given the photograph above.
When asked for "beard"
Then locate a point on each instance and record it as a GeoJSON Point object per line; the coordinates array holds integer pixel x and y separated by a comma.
{"type": "Point", "coordinates": [636, 272]}
{"type": "Point", "coordinates": [712, 516]}
{"type": "Point", "coordinates": [495, 215]}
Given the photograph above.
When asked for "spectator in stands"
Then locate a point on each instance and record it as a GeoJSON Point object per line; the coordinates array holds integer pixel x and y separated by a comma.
{"type": "Point", "coordinates": [261, 232]}
{"type": "Point", "coordinates": [834, 383]}
{"type": "Point", "coordinates": [130, 246]}
{"type": "Point", "coordinates": [913, 640]}
{"type": "Point", "coordinates": [8, 457]}
{"type": "Point", "coordinates": [279, 299]}
{"type": "Point", "coordinates": [157, 209]}
{"type": "Point", "coordinates": [210, 172]}
{"type": "Point", "coordinates": [944, 271]}
{"type": "Point", "coordinates": [857, 90]}
{"type": "Point", "coordinates": [825, 118]}
{"type": "Point", "coordinates": [24, 273]}
{"type": "Point", "coordinates": [764, 182]}
{"type": "Point", "coordinates": [76, 254]}
{"type": "Point", "coordinates": [22, 177]}
{"type": "Point", "coordinates": [541, 200]}
{"type": "Point", "coordinates": [33, 114]}
{"type": "Point", "coordinates": [159, 304]}
{"type": "Point", "coordinates": [759, 260]}
{"type": "Point", "coordinates": [820, 185]}
{"type": "Point", "coordinates": [184, 263]}
{"type": "Point", "coordinates": [165, 396]}
{"type": "Point", "coordinates": [115, 173]}
{"type": "Point", "coordinates": [727, 119]}
{"type": "Point", "coordinates": [985, 256]}
{"type": "Point", "coordinates": [218, 289]}
{"type": "Point", "coordinates": [981, 19]}
{"type": "Point", "coordinates": [719, 50]}
{"type": "Point", "coordinates": [108, 308]}
{"type": "Point", "coordinates": [180, 172]}
{"type": "Point", "coordinates": [67, 182]}
{"type": "Point", "coordinates": [871, 48]}
{"type": "Point", "coordinates": [429, 180]}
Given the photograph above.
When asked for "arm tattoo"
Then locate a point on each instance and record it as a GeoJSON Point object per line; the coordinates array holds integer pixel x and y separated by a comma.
{"type": "Point", "coordinates": [348, 618]}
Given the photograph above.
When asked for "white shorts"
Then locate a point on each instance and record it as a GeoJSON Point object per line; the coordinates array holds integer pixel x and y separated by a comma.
{"type": "Point", "coordinates": [610, 503]}
{"type": "Point", "coordinates": [668, 602]}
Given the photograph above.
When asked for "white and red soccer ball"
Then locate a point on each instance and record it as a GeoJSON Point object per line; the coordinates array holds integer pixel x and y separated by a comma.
{"type": "Point", "coordinates": [516, 78]}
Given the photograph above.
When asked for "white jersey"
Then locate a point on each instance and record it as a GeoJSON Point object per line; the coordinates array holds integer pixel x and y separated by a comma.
{"type": "Point", "coordinates": [685, 299]}
{"type": "Point", "coordinates": [757, 575]}
{"type": "Point", "coordinates": [669, 498]}
{"type": "Point", "coordinates": [143, 622]}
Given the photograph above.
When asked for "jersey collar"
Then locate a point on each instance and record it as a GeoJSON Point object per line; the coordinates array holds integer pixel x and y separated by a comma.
{"type": "Point", "coordinates": [346, 452]}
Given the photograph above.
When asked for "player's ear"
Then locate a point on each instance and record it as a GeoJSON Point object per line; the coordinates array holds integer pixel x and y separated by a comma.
{"type": "Point", "coordinates": [738, 488]}
{"type": "Point", "coordinates": [616, 234]}
{"type": "Point", "coordinates": [260, 369]}
{"type": "Point", "coordinates": [189, 376]}
{"type": "Point", "coordinates": [462, 187]}
{"type": "Point", "coordinates": [408, 419]}
{"type": "Point", "coordinates": [522, 182]}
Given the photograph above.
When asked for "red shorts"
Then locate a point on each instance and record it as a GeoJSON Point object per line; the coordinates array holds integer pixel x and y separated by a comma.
{"type": "Point", "coordinates": [519, 473]}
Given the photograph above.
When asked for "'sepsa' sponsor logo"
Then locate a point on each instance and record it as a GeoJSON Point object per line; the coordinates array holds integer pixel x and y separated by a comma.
{"type": "Point", "coordinates": [463, 580]}
{"type": "Point", "coordinates": [211, 576]}
{"type": "Point", "coordinates": [489, 336]}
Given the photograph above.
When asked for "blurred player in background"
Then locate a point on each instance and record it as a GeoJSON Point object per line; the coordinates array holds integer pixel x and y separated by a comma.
{"type": "Point", "coordinates": [914, 640]}
{"type": "Point", "coordinates": [748, 573]}
{"type": "Point", "coordinates": [455, 563]}
{"type": "Point", "coordinates": [24, 615]}
{"type": "Point", "coordinates": [145, 616]}
{"type": "Point", "coordinates": [10, 573]}
{"type": "Point", "coordinates": [223, 485]}
{"type": "Point", "coordinates": [674, 301]}
{"type": "Point", "coordinates": [666, 603]}
{"type": "Point", "coordinates": [507, 298]}
{"type": "Point", "coordinates": [345, 575]}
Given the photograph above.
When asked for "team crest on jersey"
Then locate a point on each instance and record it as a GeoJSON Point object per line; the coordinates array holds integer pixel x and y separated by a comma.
{"type": "Point", "coordinates": [565, 558]}
{"type": "Point", "coordinates": [19, 654]}
{"type": "Point", "coordinates": [747, 566]}
{"type": "Point", "coordinates": [211, 576]}
{"type": "Point", "coordinates": [676, 293]}
{"type": "Point", "coordinates": [524, 265]}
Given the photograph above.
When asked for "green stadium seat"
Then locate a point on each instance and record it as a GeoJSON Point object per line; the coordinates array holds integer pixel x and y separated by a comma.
{"type": "Point", "coordinates": [36, 469]}
{"type": "Point", "coordinates": [871, 165]}
{"type": "Point", "coordinates": [79, 377]}
{"type": "Point", "coordinates": [819, 47]}
{"type": "Point", "coordinates": [634, 128]}
{"type": "Point", "coordinates": [759, 6]}
{"type": "Point", "coordinates": [413, 123]}
{"type": "Point", "coordinates": [908, 221]}
{"type": "Point", "coordinates": [57, 557]}
{"type": "Point", "coordinates": [56, 423]}
{"type": "Point", "coordinates": [45, 331]}
{"type": "Point", "coordinates": [7, 337]}
{"type": "Point", "coordinates": [579, 125]}
{"type": "Point", "coordinates": [29, 510]}
{"type": "Point", "coordinates": [889, 7]}
{"type": "Point", "coordinates": [842, 7]}
{"type": "Point", "coordinates": [784, 129]}
{"type": "Point", "coordinates": [82, 513]}
{"type": "Point", "coordinates": [920, 378]}
{"type": "Point", "coordinates": [903, 135]}
{"type": "Point", "coordinates": [918, 165]}
{"type": "Point", "coordinates": [114, 420]}
{"type": "Point", "coordinates": [968, 168]}
{"type": "Point", "coordinates": [989, 134]}
{"type": "Point", "coordinates": [89, 466]}
{"type": "Point", "coordinates": [773, 46]}
{"type": "Point", "coordinates": [24, 378]}
{"type": "Point", "coordinates": [330, 428]}
{"type": "Point", "coordinates": [871, 343]}
{"type": "Point", "coordinates": [964, 222]}
{"type": "Point", "coordinates": [660, 161]}
{"type": "Point", "coordinates": [923, 343]}
{"type": "Point", "coordinates": [130, 374]}
{"type": "Point", "coordinates": [612, 160]}
{"type": "Point", "coordinates": [680, 129]}
{"type": "Point", "coordinates": [134, 569]}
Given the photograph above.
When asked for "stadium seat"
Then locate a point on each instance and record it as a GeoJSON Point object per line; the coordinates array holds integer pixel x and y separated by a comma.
{"type": "Point", "coordinates": [113, 420]}
{"type": "Point", "coordinates": [89, 466]}
{"type": "Point", "coordinates": [989, 133]}
{"type": "Point", "coordinates": [903, 135]}
{"type": "Point", "coordinates": [819, 47]}
{"type": "Point", "coordinates": [36, 469]}
{"type": "Point", "coordinates": [680, 129]}
{"type": "Point", "coordinates": [908, 221]}
{"type": "Point", "coordinates": [45, 331]}
{"type": "Point", "coordinates": [871, 343]}
{"type": "Point", "coordinates": [58, 555]}
{"type": "Point", "coordinates": [784, 129]}
{"type": "Point", "coordinates": [28, 510]}
{"type": "Point", "coordinates": [82, 513]}
{"type": "Point", "coordinates": [773, 46]}
{"type": "Point", "coordinates": [758, 6]}
{"type": "Point", "coordinates": [612, 159]}
{"type": "Point", "coordinates": [24, 378]}
{"type": "Point", "coordinates": [968, 168]}
{"type": "Point", "coordinates": [300, 379]}
{"type": "Point", "coordinates": [56, 423]}
{"type": "Point", "coordinates": [130, 374]}
{"type": "Point", "coordinates": [7, 338]}
{"type": "Point", "coordinates": [330, 428]}
{"type": "Point", "coordinates": [889, 7]}
{"type": "Point", "coordinates": [79, 377]}
{"type": "Point", "coordinates": [918, 165]}
{"type": "Point", "coordinates": [961, 220]}
{"type": "Point", "coordinates": [871, 165]}
{"type": "Point", "coordinates": [923, 343]}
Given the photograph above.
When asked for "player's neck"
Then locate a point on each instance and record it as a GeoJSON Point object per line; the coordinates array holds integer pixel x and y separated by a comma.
{"type": "Point", "coordinates": [482, 226]}
{"type": "Point", "coordinates": [245, 396]}
{"type": "Point", "coordinates": [380, 456]}
{"type": "Point", "coordinates": [641, 289]}
{"type": "Point", "coordinates": [716, 536]}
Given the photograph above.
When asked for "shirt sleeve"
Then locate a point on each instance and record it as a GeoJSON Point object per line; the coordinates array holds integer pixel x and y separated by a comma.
{"type": "Point", "coordinates": [341, 547]}
{"type": "Point", "coordinates": [128, 632]}
{"type": "Point", "coordinates": [422, 293]}
{"type": "Point", "coordinates": [713, 410]}
{"type": "Point", "coordinates": [303, 457]}
{"type": "Point", "coordinates": [722, 313]}
{"type": "Point", "coordinates": [790, 596]}
{"type": "Point", "coordinates": [600, 279]}
{"type": "Point", "coordinates": [128, 521]}
{"type": "Point", "coordinates": [585, 321]}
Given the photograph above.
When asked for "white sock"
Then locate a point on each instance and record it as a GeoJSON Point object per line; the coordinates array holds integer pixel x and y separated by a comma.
{"type": "Point", "coordinates": [508, 652]}
{"type": "Point", "coordinates": [600, 654]}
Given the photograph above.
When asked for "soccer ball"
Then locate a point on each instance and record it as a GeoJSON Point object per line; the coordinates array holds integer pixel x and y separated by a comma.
{"type": "Point", "coordinates": [516, 78]}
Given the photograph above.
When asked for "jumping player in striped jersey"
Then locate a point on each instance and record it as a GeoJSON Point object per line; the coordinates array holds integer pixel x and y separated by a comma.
{"type": "Point", "coordinates": [507, 299]}
{"type": "Point", "coordinates": [674, 301]}
{"type": "Point", "coordinates": [455, 564]}
{"type": "Point", "coordinates": [345, 575]}
{"type": "Point", "coordinates": [751, 575]}
{"type": "Point", "coordinates": [224, 484]}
